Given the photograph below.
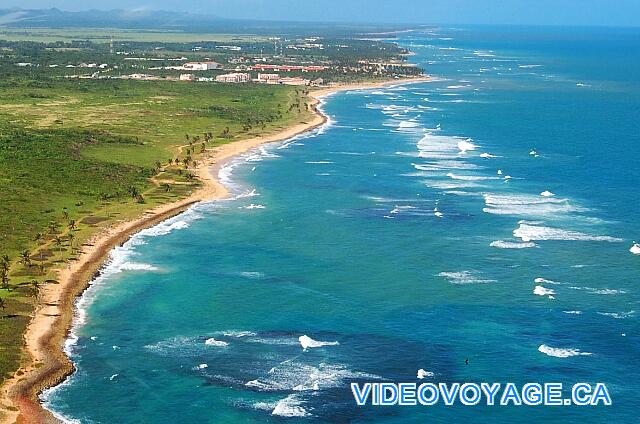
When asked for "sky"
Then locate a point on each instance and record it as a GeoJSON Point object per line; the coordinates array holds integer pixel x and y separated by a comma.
{"type": "Point", "coordinates": [518, 12]}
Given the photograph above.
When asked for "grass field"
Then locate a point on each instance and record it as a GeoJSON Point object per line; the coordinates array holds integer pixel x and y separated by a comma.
{"type": "Point", "coordinates": [77, 155]}
{"type": "Point", "coordinates": [104, 35]}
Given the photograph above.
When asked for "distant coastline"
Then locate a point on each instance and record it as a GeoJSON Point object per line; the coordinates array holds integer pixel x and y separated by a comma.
{"type": "Point", "coordinates": [50, 325]}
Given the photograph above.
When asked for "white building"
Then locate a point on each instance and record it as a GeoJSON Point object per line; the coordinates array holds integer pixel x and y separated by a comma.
{"type": "Point", "coordinates": [186, 77]}
{"type": "Point", "coordinates": [234, 78]}
{"type": "Point", "coordinates": [201, 66]}
{"type": "Point", "coordinates": [269, 78]}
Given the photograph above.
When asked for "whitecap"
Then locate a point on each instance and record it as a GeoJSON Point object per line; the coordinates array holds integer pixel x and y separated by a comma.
{"type": "Point", "coordinates": [290, 407]}
{"type": "Point", "coordinates": [527, 232]}
{"type": "Point", "coordinates": [307, 342]}
{"type": "Point", "coordinates": [543, 291]}
{"type": "Point", "coordinates": [540, 280]}
{"type": "Point", "coordinates": [465, 145]}
{"type": "Point", "coordinates": [468, 177]}
{"type": "Point", "coordinates": [573, 312]}
{"type": "Point", "coordinates": [421, 374]}
{"type": "Point", "coordinates": [561, 353]}
{"type": "Point", "coordinates": [547, 193]}
{"type": "Point", "coordinates": [635, 249]}
{"type": "Point", "coordinates": [213, 342]}
{"type": "Point", "coordinates": [464, 277]}
{"type": "Point", "coordinates": [617, 315]}
{"type": "Point", "coordinates": [252, 274]}
{"type": "Point", "coordinates": [603, 292]}
{"type": "Point", "coordinates": [500, 244]}
{"type": "Point", "coordinates": [488, 155]}
{"type": "Point", "coordinates": [238, 333]}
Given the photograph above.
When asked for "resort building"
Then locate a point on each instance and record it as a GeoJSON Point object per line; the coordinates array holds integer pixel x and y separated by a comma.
{"type": "Point", "coordinates": [294, 81]}
{"type": "Point", "coordinates": [201, 66]}
{"type": "Point", "coordinates": [288, 68]}
{"type": "Point", "coordinates": [268, 78]}
{"type": "Point", "coordinates": [234, 78]}
{"type": "Point", "coordinates": [187, 77]}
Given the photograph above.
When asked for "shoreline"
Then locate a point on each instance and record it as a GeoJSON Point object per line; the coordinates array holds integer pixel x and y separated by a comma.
{"type": "Point", "coordinates": [53, 318]}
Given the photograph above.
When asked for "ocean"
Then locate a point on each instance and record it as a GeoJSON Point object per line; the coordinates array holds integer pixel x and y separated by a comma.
{"type": "Point", "coordinates": [477, 227]}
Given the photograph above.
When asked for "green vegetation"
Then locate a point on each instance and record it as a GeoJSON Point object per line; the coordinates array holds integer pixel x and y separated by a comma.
{"type": "Point", "coordinates": [77, 155]}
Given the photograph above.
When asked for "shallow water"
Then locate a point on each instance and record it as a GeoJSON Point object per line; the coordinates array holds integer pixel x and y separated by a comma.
{"type": "Point", "coordinates": [394, 236]}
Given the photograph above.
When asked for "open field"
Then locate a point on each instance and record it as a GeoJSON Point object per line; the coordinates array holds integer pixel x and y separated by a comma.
{"type": "Point", "coordinates": [104, 35]}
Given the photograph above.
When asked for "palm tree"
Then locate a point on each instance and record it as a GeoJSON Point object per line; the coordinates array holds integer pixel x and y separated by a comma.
{"type": "Point", "coordinates": [71, 237]}
{"type": "Point", "coordinates": [65, 215]}
{"type": "Point", "coordinates": [38, 237]}
{"type": "Point", "coordinates": [72, 224]}
{"type": "Point", "coordinates": [3, 304]}
{"type": "Point", "coordinates": [35, 285]}
{"type": "Point", "coordinates": [53, 227]}
{"type": "Point", "coordinates": [25, 258]}
{"type": "Point", "coordinates": [5, 261]}
{"type": "Point", "coordinates": [133, 191]}
{"type": "Point", "coordinates": [58, 241]}
{"type": "Point", "coordinates": [166, 187]}
{"type": "Point", "coordinates": [4, 276]}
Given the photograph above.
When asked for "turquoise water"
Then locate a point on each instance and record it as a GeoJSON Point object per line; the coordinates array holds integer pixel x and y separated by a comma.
{"type": "Point", "coordinates": [394, 236]}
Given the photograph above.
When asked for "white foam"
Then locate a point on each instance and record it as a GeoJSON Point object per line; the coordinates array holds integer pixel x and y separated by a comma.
{"type": "Point", "coordinates": [319, 162]}
{"type": "Point", "coordinates": [202, 366]}
{"type": "Point", "coordinates": [618, 315]}
{"type": "Point", "coordinates": [527, 232]}
{"type": "Point", "coordinates": [254, 206]}
{"type": "Point", "coordinates": [468, 177]}
{"type": "Point", "coordinates": [238, 333]}
{"type": "Point", "coordinates": [252, 274]}
{"type": "Point", "coordinates": [603, 292]}
{"type": "Point", "coordinates": [528, 66]}
{"type": "Point", "coordinates": [561, 353]}
{"type": "Point", "coordinates": [635, 249]}
{"type": "Point", "coordinates": [307, 342]}
{"type": "Point", "coordinates": [488, 155]}
{"type": "Point", "coordinates": [500, 244]}
{"type": "Point", "coordinates": [421, 374]}
{"type": "Point", "coordinates": [434, 146]}
{"type": "Point", "coordinates": [464, 277]}
{"type": "Point", "coordinates": [540, 280]}
{"type": "Point", "coordinates": [134, 266]}
{"type": "Point", "coordinates": [543, 291]}
{"type": "Point", "coordinates": [466, 145]}
{"type": "Point", "coordinates": [213, 342]}
{"type": "Point", "coordinates": [547, 193]}
{"type": "Point", "coordinates": [528, 205]}
{"type": "Point", "coordinates": [573, 312]}
{"type": "Point", "coordinates": [290, 407]}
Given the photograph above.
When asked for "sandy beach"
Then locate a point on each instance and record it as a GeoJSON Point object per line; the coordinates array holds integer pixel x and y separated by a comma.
{"type": "Point", "coordinates": [49, 327]}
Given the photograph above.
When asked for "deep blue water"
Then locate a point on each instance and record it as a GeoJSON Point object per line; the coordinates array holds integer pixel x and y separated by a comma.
{"type": "Point", "coordinates": [396, 232]}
